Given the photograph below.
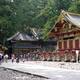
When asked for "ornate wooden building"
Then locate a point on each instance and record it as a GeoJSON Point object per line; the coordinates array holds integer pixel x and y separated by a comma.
{"type": "Point", "coordinates": [67, 33]}
{"type": "Point", "coordinates": [22, 43]}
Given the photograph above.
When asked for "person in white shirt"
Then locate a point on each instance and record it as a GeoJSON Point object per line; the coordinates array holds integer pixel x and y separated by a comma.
{"type": "Point", "coordinates": [1, 58]}
{"type": "Point", "coordinates": [6, 58]}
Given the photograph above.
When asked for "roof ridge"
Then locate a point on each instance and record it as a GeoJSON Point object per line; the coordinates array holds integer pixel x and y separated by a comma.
{"type": "Point", "coordinates": [72, 13]}
{"type": "Point", "coordinates": [67, 15]}
{"type": "Point", "coordinates": [16, 34]}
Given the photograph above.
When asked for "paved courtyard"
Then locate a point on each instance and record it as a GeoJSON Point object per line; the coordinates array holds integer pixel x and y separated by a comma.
{"type": "Point", "coordinates": [51, 70]}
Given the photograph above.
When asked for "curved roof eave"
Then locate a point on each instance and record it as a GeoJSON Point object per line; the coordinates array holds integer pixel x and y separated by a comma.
{"type": "Point", "coordinates": [71, 17]}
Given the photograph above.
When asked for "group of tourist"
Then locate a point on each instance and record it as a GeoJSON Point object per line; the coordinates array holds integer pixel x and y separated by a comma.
{"type": "Point", "coordinates": [30, 56]}
{"type": "Point", "coordinates": [3, 58]}
{"type": "Point", "coordinates": [35, 56]}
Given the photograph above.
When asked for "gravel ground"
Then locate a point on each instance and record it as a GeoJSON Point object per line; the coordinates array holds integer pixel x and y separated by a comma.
{"type": "Point", "coordinates": [6, 74]}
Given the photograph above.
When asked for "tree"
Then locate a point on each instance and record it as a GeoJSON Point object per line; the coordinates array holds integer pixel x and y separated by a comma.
{"type": "Point", "coordinates": [75, 6]}
{"type": "Point", "coordinates": [21, 15]}
{"type": "Point", "coordinates": [53, 10]}
{"type": "Point", "coordinates": [5, 22]}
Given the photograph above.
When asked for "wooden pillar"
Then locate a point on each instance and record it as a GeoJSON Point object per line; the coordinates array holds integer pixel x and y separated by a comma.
{"type": "Point", "coordinates": [79, 43]}
{"type": "Point", "coordinates": [60, 45]}
{"type": "Point", "coordinates": [67, 44]}
{"type": "Point", "coordinates": [73, 44]}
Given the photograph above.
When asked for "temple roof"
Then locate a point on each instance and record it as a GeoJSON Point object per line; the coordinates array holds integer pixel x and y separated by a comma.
{"type": "Point", "coordinates": [21, 36]}
{"type": "Point", "coordinates": [72, 18]}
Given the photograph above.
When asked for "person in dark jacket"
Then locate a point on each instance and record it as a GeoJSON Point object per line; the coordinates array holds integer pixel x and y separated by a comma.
{"type": "Point", "coordinates": [17, 60]}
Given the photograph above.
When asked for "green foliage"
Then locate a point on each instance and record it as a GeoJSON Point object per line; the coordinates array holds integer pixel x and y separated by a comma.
{"type": "Point", "coordinates": [75, 6]}
{"type": "Point", "coordinates": [21, 15]}
{"type": "Point", "coordinates": [48, 26]}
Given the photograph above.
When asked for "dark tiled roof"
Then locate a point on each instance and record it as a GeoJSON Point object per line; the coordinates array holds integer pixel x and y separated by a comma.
{"type": "Point", "coordinates": [21, 36]}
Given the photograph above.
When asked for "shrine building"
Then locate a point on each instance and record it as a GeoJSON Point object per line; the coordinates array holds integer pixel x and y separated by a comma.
{"type": "Point", "coordinates": [66, 31]}
{"type": "Point", "coordinates": [25, 44]}
{"type": "Point", "coordinates": [22, 43]}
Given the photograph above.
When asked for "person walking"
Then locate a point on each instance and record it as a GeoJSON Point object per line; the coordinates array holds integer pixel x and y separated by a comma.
{"type": "Point", "coordinates": [12, 58]}
{"type": "Point", "coordinates": [1, 58]}
{"type": "Point", "coordinates": [6, 58]}
{"type": "Point", "coordinates": [17, 60]}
